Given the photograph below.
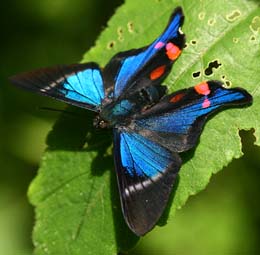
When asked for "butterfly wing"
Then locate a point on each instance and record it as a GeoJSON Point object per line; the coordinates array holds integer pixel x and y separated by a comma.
{"type": "Point", "coordinates": [146, 173]}
{"type": "Point", "coordinates": [177, 120]}
{"type": "Point", "coordinates": [78, 84]}
{"type": "Point", "coordinates": [128, 71]}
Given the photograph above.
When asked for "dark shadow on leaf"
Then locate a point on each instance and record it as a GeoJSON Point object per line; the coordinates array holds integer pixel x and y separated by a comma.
{"type": "Point", "coordinates": [100, 141]}
{"type": "Point", "coordinates": [75, 132]}
{"type": "Point", "coordinates": [70, 131]}
{"type": "Point", "coordinates": [186, 156]}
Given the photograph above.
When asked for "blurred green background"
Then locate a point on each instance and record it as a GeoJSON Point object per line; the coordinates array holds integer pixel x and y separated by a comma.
{"type": "Point", "coordinates": [223, 219]}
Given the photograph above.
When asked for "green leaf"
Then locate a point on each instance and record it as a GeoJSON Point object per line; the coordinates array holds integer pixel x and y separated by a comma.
{"type": "Point", "coordinates": [78, 209]}
{"type": "Point", "coordinates": [75, 192]}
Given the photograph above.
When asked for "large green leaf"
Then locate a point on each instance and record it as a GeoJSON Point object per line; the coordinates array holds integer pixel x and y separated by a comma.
{"type": "Point", "coordinates": [75, 193]}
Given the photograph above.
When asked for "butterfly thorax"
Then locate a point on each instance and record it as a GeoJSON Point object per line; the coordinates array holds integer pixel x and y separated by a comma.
{"type": "Point", "coordinates": [121, 111]}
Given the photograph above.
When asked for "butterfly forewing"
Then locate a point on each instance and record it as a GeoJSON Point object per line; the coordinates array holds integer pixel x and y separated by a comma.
{"type": "Point", "coordinates": [78, 84]}
{"type": "Point", "coordinates": [129, 71]}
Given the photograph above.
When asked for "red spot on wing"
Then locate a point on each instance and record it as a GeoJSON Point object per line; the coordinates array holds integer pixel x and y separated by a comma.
{"type": "Point", "coordinates": [157, 72]}
{"type": "Point", "coordinates": [206, 103]}
{"type": "Point", "coordinates": [159, 45]}
{"type": "Point", "coordinates": [202, 88]}
{"type": "Point", "coordinates": [176, 98]}
{"type": "Point", "coordinates": [172, 51]}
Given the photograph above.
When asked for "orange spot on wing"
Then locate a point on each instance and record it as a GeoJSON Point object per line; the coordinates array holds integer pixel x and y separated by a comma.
{"type": "Point", "coordinates": [157, 72]}
{"type": "Point", "coordinates": [176, 98]}
{"type": "Point", "coordinates": [172, 51]}
{"type": "Point", "coordinates": [202, 88]}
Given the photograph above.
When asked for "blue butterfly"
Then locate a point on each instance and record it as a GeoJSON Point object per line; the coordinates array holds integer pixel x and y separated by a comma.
{"type": "Point", "coordinates": [150, 128]}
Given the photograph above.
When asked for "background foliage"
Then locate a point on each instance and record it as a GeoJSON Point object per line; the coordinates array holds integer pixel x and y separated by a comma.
{"type": "Point", "coordinates": [224, 218]}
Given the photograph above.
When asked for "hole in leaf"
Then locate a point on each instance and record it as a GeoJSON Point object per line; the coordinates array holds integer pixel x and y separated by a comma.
{"type": "Point", "coordinates": [252, 38]}
{"type": "Point", "coordinates": [235, 40]}
{"type": "Point", "coordinates": [111, 45]}
{"type": "Point", "coordinates": [120, 34]}
{"type": "Point", "coordinates": [201, 15]}
{"type": "Point", "coordinates": [228, 83]}
{"type": "Point", "coordinates": [193, 42]}
{"type": "Point", "coordinates": [196, 74]}
{"type": "Point", "coordinates": [213, 64]}
{"type": "Point", "coordinates": [120, 30]}
{"type": "Point", "coordinates": [211, 22]}
{"type": "Point", "coordinates": [130, 26]}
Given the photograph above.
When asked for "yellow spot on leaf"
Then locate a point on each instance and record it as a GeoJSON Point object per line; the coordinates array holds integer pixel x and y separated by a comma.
{"type": "Point", "coordinates": [130, 27]}
{"type": "Point", "coordinates": [255, 25]}
{"type": "Point", "coordinates": [234, 15]}
{"type": "Point", "coordinates": [235, 40]}
{"type": "Point", "coordinates": [211, 22]}
{"type": "Point", "coordinates": [201, 15]}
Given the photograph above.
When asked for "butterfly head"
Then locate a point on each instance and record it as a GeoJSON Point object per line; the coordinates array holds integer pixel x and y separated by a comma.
{"type": "Point", "coordinates": [98, 122]}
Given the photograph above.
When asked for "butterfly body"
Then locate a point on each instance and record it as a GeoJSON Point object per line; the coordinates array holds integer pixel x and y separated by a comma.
{"type": "Point", "coordinates": [122, 111]}
{"type": "Point", "coordinates": [150, 128]}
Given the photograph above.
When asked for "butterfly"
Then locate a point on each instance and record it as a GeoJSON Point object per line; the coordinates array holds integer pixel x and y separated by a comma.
{"type": "Point", "coordinates": [150, 128]}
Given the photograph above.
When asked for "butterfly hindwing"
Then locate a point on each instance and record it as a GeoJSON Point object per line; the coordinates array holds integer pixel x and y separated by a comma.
{"type": "Point", "coordinates": [131, 70]}
{"type": "Point", "coordinates": [177, 120]}
{"type": "Point", "coordinates": [146, 173]}
{"type": "Point", "coordinates": [78, 84]}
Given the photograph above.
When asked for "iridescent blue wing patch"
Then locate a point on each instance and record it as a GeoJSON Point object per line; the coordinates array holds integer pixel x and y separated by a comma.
{"type": "Point", "coordinates": [177, 120]}
{"type": "Point", "coordinates": [130, 70]}
{"type": "Point", "coordinates": [78, 84]}
{"type": "Point", "coordinates": [146, 173]}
